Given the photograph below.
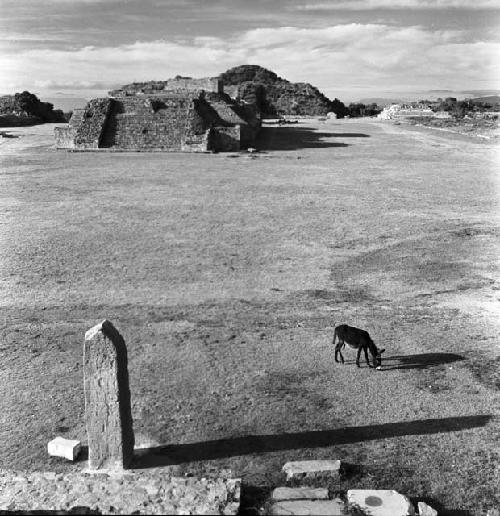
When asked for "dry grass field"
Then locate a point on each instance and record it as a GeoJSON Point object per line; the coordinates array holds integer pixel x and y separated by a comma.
{"type": "Point", "coordinates": [226, 274]}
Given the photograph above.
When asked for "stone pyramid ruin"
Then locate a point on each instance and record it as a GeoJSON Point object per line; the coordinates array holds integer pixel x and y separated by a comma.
{"type": "Point", "coordinates": [181, 114]}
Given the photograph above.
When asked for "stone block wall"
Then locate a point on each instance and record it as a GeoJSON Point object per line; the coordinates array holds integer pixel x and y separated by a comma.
{"type": "Point", "coordinates": [212, 84]}
{"type": "Point", "coordinates": [64, 137]}
{"type": "Point", "coordinates": [91, 127]}
{"type": "Point", "coordinates": [77, 117]}
{"type": "Point", "coordinates": [156, 123]}
{"type": "Point", "coordinates": [185, 84]}
{"type": "Point", "coordinates": [177, 120]}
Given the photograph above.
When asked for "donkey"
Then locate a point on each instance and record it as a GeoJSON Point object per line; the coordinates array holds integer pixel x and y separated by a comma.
{"type": "Point", "coordinates": [357, 339]}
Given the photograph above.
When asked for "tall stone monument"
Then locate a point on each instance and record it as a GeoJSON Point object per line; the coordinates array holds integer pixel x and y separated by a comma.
{"type": "Point", "coordinates": [108, 413]}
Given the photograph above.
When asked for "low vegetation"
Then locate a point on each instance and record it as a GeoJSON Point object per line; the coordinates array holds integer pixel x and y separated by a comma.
{"type": "Point", "coordinates": [26, 109]}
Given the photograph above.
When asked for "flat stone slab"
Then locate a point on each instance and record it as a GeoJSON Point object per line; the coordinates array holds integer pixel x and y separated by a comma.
{"type": "Point", "coordinates": [427, 510]}
{"type": "Point", "coordinates": [309, 507]}
{"type": "Point", "coordinates": [299, 493]}
{"type": "Point", "coordinates": [65, 448]}
{"type": "Point", "coordinates": [380, 502]}
{"type": "Point", "coordinates": [311, 468]}
{"type": "Point", "coordinates": [149, 492]}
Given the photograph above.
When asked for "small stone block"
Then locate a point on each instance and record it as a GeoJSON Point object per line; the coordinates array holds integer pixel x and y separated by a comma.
{"type": "Point", "coordinates": [311, 468]}
{"type": "Point", "coordinates": [426, 510]}
{"type": "Point", "coordinates": [66, 448]}
{"type": "Point", "coordinates": [299, 493]}
{"type": "Point", "coordinates": [380, 502]}
{"type": "Point", "coordinates": [308, 507]}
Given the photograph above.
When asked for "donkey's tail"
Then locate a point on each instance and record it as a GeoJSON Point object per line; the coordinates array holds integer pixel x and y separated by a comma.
{"type": "Point", "coordinates": [334, 334]}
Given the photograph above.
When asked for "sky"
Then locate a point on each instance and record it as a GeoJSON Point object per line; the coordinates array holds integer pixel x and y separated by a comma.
{"type": "Point", "coordinates": [349, 49]}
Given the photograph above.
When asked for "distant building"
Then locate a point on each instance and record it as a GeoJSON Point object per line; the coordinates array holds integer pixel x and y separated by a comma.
{"type": "Point", "coordinates": [442, 114]}
{"type": "Point", "coordinates": [182, 114]}
{"type": "Point", "coordinates": [401, 111]}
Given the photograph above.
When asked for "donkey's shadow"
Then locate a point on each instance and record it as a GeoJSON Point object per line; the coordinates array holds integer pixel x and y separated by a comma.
{"type": "Point", "coordinates": [421, 361]}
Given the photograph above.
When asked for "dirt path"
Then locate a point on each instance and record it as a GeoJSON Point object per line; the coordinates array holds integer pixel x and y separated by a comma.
{"type": "Point", "coordinates": [226, 275]}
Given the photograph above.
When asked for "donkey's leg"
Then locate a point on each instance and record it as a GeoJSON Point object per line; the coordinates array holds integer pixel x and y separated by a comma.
{"type": "Point", "coordinates": [366, 357]}
{"type": "Point", "coordinates": [340, 345]}
{"type": "Point", "coordinates": [358, 355]}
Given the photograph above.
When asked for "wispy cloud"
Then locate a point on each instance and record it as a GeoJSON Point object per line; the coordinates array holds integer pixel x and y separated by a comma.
{"type": "Point", "coordinates": [357, 5]}
{"type": "Point", "coordinates": [74, 85]}
{"type": "Point", "coordinates": [34, 37]}
{"type": "Point", "coordinates": [336, 57]}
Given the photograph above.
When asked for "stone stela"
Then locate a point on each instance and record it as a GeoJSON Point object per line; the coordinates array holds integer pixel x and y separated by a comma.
{"type": "Point", "coordinates": [108, 414]}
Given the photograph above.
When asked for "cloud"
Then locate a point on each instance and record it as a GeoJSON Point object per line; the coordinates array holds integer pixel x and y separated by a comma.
{"type": "Point", "coordinates": [359, 5]}
{"type": "Point", "coordinates": [74, 85]}
{"type": "Point", "coordinates": [333, 58]}
{"type": "Point", "coordinates": [11, 37]}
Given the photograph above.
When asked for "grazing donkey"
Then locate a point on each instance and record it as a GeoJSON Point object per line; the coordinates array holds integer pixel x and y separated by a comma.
{"type": "Point", "coordinates": [357, 339]}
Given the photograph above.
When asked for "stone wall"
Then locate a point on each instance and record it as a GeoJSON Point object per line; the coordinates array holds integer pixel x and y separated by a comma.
{"type": "Point", "coordinates": [152, 491]}
{"type": "Point", "coordinates": [212, 84]}
{"type": "Point", "coordinates": [173, 120]}
{"type": "Point", "coordinates": [208, 84]}
{"type": "Point", "coordinates": [91, 128]}
{"type": "Point", "coordinates": [156, 123]}
{"type": "Point", "coordinates": [65, 137]}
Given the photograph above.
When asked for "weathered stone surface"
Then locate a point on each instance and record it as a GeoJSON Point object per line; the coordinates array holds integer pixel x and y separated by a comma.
{"type": "Point", "coordinates": [309, 507]}
{"type": "Point", "coordinates": [66, 448]}
{"type": "Point", "coordinates": [299, 493]}
{"type": "Point", "coordinates": [210, 84]}
{"type": "Point", "coordinates": [90, 131]}
{"type": "Point", "coordinates": [152, 491]}
{"type": "Point", "coordinates": [276, 96]}
{"type": "Point", "coordinates": [426, 510]}
{"type": "Point", "coordinates": [380, 502]}
{"type": "Point", "coordinates": [108, 414]}
{"type": "Point", "coordinates": [311, 468]}
{"type": "Point", "coordinates": [155, 117]}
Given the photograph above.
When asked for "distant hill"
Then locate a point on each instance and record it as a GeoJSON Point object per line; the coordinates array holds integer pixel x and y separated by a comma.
{"type": "Point", "coordinates": [276, 96]}
{"type": "Point", "coordinates": [381, 101]}
{"type": "Point", "coordinates": [491, 99]}
{"type": "Point", "coordinates": [481, 93]}
{"type": "Point", "coordinates": [26, 109]}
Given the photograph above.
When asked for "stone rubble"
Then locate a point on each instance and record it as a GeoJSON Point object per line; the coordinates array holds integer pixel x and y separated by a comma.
{"type": "Point", "coordinates": [152, 491]}
{"type": "Point", "coordinates": [316, 500]}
